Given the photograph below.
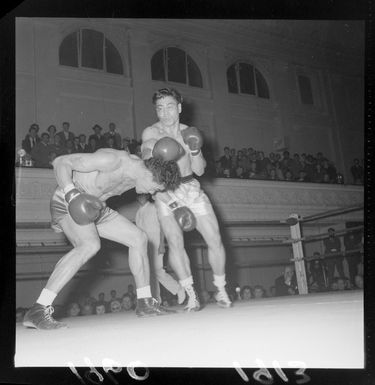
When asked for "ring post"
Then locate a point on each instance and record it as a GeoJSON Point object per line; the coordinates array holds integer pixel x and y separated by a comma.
{"type": "Point", "coordinates": [295, 232]}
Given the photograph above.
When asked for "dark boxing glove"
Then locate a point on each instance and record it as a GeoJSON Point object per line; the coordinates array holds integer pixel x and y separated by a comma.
{"type": "Point", "coordinates": [193, 139]}
{"type": "Point", "coordinates": [184, 216]}
{"type": "Point", "coordinates": [168, 149]}
{"type": "Point", "coordinates": [83, 208]}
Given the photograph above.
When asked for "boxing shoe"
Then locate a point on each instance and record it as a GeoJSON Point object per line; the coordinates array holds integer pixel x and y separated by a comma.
{"type": "Point", "coordinates": [40, 317]}
{"type": "Point", "coordinates": [222, 298]}
{"type": "Point", "coordinates": [147, 307]}
{"type": "Point", "coordinates": [193, 301]}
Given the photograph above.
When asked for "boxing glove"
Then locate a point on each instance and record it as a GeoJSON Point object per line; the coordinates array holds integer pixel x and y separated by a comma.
{"type": "Point", "coordinates": [168, 149]}
{"type": "Point", "coordinates": [83, 208]}
{"type": "Point", "coordinates": [193, 139]}
{"type": "Point", "coordinates": [184, 216]}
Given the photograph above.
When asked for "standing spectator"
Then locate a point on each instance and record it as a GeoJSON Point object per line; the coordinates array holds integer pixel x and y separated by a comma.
{"type": "Point", "coordinates": [332, 245]}
{"type": "Point", "coordinates": [31, 139]}
{"type": "Point", "coordinates": [317, 273]}
{"type": "Point", "coordinates": [286, 284]}
{"type": "Point", "coordinates": [357, 172]}
{"type": "Point", "coordinates": [82, 146]}
{"type": "Point", "coordinates": [111, 133]}
{"type": "Point", "coordinates": [52, 132]}
{"type": "Point", "coordinates": [97, 135]}
{"type": "Point", "coordinates": [226, 160]}
{"type": "Point", "coordinates": [40, 152]}
{"type": "Point", "coordinates": [352, 241]}
{"type": "Point", "coordinates": [65, 134]}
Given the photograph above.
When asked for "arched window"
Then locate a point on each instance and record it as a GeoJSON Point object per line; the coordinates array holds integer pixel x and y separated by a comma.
{"type": "Point", "coordinates": [175, 65]}
{"type": "Point", "coordinates": [244, 78]}
{"type": "Point", "coordinates": [87, 48]}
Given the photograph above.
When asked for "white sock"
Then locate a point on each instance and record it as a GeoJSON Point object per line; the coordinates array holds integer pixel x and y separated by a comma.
{"type": "Point", "coordinates": [46, 297]}
{"type": "Point", "coordinates": [186, 282]}
{"type": "Point", "coordinates": [219, 281]}
{"type": "Point", "coordinates": [144, 292]}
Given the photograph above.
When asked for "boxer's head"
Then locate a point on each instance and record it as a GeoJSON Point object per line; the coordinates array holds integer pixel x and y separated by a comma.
{"type": "Point", "coordinates": [165, 173]}
{"type": "Point", "coordinates": [165, 92]}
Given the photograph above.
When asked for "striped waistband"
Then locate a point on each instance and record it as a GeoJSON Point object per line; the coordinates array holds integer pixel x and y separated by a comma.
{"type": "Point", "coordinates": [187, 178]}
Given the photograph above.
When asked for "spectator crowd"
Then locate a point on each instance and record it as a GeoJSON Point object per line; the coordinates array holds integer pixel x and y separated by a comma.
{"type": "Point", "coordinates": [39, 150]}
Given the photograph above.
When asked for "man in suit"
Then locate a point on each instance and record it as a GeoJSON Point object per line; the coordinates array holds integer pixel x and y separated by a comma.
{"type": "Point", "coordinates": [65, 134]}
{"type": "Point", "coordinates": [99, 138]}
{"type": "Point", "coordinates": [111, 133]}
{"type": "Point", "coordinates": [31, 139]}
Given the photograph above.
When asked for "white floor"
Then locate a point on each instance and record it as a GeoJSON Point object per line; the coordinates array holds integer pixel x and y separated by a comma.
{"type": "Point", "coordinates": [318, 330]}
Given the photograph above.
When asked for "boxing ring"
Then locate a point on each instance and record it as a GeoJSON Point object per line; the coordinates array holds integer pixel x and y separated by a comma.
{"type": "Point", "coordinates": [321, 330]}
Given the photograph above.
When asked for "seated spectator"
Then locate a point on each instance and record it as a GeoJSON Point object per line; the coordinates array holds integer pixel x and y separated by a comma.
{"type": "Point", "coordinates": [69, 147]}
{"type": "Point", "coordinates": [288, 175]}
{"type": "Point", "coordinates": [138, 151]}
{"type": "Point", "coordinates": [111, 143]}
{"type": "Point", "coordinates": [302, 176]}
{"type": "Point", "coordinates": [246, 293]}
{"type": "Point", "coordinates": [326, 178]}
{"type": "Point", "coordinates": [65, 134]}
{"type": "Point", "coordinates": [131, 293]}
{"type": "Point", "coordinates": [73, 310]}
{"type": "Point", "coordinates": [57, 147]}
{"type": "Point", "coordinates": [115, 306]}
{"type": "Point", "coordinates": [285, 162]}
{"type": "Point", "coordinates": [357, 172]}
{"type": "Point", "coordinates": [52, 132]}
{"type": "Point", "coordinates": [329, 168]}
{"type": "Point", "coordinates": [272, 174]}
{"type": "Point", "coordinates": [317, 176]}
{"type": "Point", "coordinates": [126, 144]}
{"type": "Point", "coordinates": [279, 171]}
{"type": "Point", "coordinates": [31, 139]}
{"type": "Point", "coordinates": [253, 172]}
{"type": "Point", "coordinates": [82, 145]}
{"type": "Point", "coordinates": [87, 309]}
{"type": "Point", "coordinates": [259, 292]}
{"type": "Point", "coordinates": [111, 133]}
{"type": "Point", "coordinates": [286, 284]}
{"type": "Point", "coordinates": [51, 157]}
{"type": "Point", "coordinates": [133, 146]}
{"type": "Point", "coordinates": [20, 313]}
{"type": "Point", "coordinates": [262, 163]}
{"type": "Point", "coordinates": [340, 284]}
{"type": "Point", "coordinates": [295, 166]}
{"type": "Point", "coordinates": [98, 137]}
{"type": "Point", "coordinates": [219, 172]}
{"type": "Point", "coordinates": [334, 285]}
{"type": "Point", "coordinates": [358, 282]}
{"type": "Point", "coordinates": [92, 146]}
{"type": "Point", "coordinates": [101, 301]}
{"type": "Point", "coordinates": [40, 152]}
{"type": "Point", "coordinates": [76, 146]}
{"type": "Point", "coordinates": [113, 295]}
{"type": "Point", "coordinates": [240, 173]}
{"type": "Point", "coordinates": [127, 303]}
{"type": "Point", "coordinates": [99, 309]}
{"type": "Point", "coordinates": [272, 291]}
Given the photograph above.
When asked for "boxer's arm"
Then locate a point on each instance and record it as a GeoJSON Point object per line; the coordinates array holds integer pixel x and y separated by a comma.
{"type": "Point", "coordinates": [198, 163]}
{"type": "Point", "coordinates": [148, 143]}
{"type": "Point", "coordinates": [64, 165]}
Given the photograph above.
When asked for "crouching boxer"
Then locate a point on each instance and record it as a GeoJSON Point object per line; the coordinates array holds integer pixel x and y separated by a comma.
{"type": "Point", "coordinates": [85, 182]}
{"type": "Point", "coordinates": [187, 207]}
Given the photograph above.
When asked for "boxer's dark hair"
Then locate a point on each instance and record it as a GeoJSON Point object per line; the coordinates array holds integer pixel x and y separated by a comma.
{"type": "Point", "coordinates": [163, 92]}
{"type": "Point", "coordinates": [166, 173]}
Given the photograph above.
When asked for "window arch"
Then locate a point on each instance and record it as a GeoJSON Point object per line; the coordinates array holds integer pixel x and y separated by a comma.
{"type": "Point", "coordinates": [175, 65]}
{"type": "Point", "coordinates": [87, 48]}
{"type": "Point", "coordinates": [244, 78]}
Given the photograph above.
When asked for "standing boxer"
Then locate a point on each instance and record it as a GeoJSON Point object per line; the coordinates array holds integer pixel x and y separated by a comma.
{"type": "Point", "coordinates": [85, 182]}
{"type": "Point", "coordinates": [188, 204]}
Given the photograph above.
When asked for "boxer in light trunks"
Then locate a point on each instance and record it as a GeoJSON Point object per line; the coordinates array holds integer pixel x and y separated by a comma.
{"type": "Point", "coordinates": [147, 220]}
{"type": "Point", "coordinates": [85, 182]}
{"type": "Point", "coordinates": [188, 197]}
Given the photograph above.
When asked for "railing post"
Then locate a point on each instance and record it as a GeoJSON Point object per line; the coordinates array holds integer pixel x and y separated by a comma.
{"type": "Point", "coordinates": [295, 232]}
